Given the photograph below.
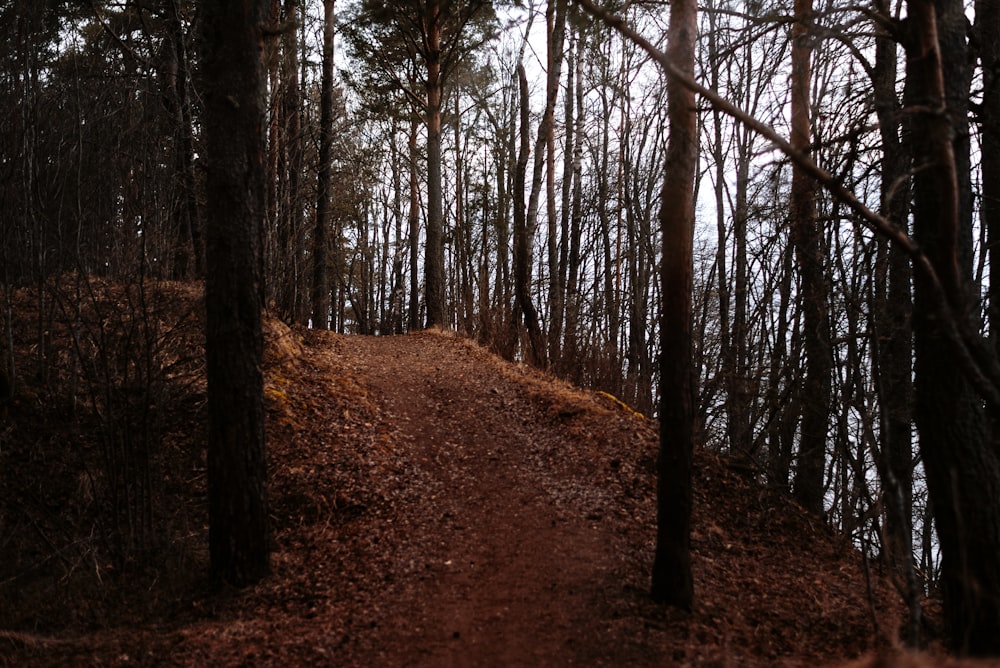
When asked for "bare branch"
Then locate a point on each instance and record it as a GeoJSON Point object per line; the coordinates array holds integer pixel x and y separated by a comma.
{"type": "Point", "coordinates": [971, 350]}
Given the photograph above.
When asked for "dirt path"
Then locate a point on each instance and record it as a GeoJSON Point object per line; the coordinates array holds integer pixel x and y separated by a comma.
{"type": "Point", "coordinates": [433, 506]}
{"type": "Point", "coordinates": [512, 568]}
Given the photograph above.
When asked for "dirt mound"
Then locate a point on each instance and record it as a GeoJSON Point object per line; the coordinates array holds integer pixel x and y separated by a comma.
{"type": "Point", "coordinates": [431, 505]}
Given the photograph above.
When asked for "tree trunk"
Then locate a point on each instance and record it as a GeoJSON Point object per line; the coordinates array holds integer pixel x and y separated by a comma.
{"type": "Point", "coordinates": [187, 215]}
{"type": "Point", "coordinates": [523, 235]}
{"type": "Point", "coordinates": [434, 284]}
{"type": "Point", "coordinates": [740, 432]}
{"type": "Point", "coordinates": [285, 253]}
{"type": "Point", "coordinates": [465, 306]}
{"type": "Point", "coordinates": [268, 256]}
{"type": "Point", "coordinates": [731, 333]}
{"type": "Point", "coordinates": [892, 349]}
{"type": "Point", "coordinates": [233, 91]}
{"type": "Point", "coordinates": [573, 259]}
{"type": "Point", "coordinates": [815, 315]}
{"type": "Point", "coordinates": [321, 282]}
{"type": "Point", "coordinates": [608, 273]}
{"type": "Point", "coordinates": [558, 306]}
{"type": "Point", "coordinates": [672, 578]}
{"type": "Point", "coordinates": [556, 22]}
{"type": "Point", "coordinates": [987, 26]}
{"type": "Point", "coordinates": [413, 224]}
{"type": "Point", "coordinates": [544, 157]}
{"type": "Point", "coordinates": [504, 158]}
{"type": "Point", "coordinates": [398, 291]}
{"type": "Point", "coordinates": [783, 363]}
{"type": "Point", "coordinates": [963, 471]}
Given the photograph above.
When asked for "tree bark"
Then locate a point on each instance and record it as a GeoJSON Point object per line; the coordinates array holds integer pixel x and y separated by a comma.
{"type": "Point", "coordinates": [731, 303]}
{"type": "Point", "coordinates": [559, 306]}
{"type": "Point", "coordinates": [963, 471]}
{"type": "Point", "coordinates": [783, 363]}
{"type": "Point", "coordinates": [672, 579]}
{"type": "Point", "coordinates": [434, 285]}
{"type": "Point", "coordinates": [987, 27]}
{"type": "Point", "coordinates": [413, 224]}
{"type": "Point", "coordinates": [272, 49]}
{"type": "Point", "coordinates": [233, 91]}
{"type": "Point", "coordinates": [187, 214]}
{"type": "Point", "coordinates": [465, 306]}
{"type": "Point", "coordinates": [555, 18]}
{"type": "Point", "coordinates": [289, 284]}
{"type": "Point", "coordinates": [321, 282]}
{"type": "Point", "coordinates": [608, 273]}
{"type": "Point", "coordinates": [523, 235]}
{"type": "Point", "coordinates": [892, 350]}
{"type": "Point", "coordinates": [573, 259]}
{"type": "Point", "coordinates": [556, 22]}
{"type": "Point", "coordinates": [815, 313]}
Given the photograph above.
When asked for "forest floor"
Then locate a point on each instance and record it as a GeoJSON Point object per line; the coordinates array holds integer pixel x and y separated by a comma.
{"type": "Point", "coordinates": [432, 505]}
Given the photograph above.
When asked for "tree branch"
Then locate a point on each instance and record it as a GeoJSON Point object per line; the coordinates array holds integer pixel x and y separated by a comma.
{"type": "Point", "coordinates": [982, 367]}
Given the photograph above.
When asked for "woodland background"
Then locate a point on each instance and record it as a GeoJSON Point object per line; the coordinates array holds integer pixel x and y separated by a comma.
{"type": "Point", "coordinates": [509, 188]}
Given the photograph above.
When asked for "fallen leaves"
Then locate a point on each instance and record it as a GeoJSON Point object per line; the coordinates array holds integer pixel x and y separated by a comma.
{"type": "Point", "coordinates": [432, 503]}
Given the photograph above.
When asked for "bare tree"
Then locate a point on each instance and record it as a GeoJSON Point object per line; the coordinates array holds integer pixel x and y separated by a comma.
{"type": "Point", "coordinates": [321, 283]}
{"type": "Point", "coordinates": [892, 345]}
{"type": "Point", "coordinates": [440, 34]}
{"type": "Point", "coordinates": [524, 233]}
{"type": "Point", "coordinates": [233, 92]}
{"type": "Point", "coordinates": [987, 21]}
{"type": "Point", "coordinates": [963, 471]}
{"type": "Point", "coordinates": [672, 579]}
{"type": "Point", "coordinates": [809, 257]}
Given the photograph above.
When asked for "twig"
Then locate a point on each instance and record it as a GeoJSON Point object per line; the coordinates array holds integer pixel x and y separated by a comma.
{"type": "Point", "coordinates": [982, 368]}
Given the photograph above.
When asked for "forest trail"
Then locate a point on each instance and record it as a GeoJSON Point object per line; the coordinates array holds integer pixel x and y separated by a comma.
{"type": "Point", "coordinates": [434, 505]}
{"type": "Point", "coordinates": [518, 556]}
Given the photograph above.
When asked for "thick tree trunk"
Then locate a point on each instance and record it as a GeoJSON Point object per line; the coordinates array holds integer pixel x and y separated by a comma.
{"type": "Point", "coordinates": [963, 471]}
{"type": "Point", "coordinates": [987, 27]}
{"type": "Point", "coordinates": [672, 578]}
{"type": "Point", "coordinates": [233, 91]}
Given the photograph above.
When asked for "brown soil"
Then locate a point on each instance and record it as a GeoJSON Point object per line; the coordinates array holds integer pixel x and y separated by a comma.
{"type": "Point", "coordinates": [433, 505]}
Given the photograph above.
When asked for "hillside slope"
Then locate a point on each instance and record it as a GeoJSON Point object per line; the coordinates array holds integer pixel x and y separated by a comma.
{"type": "Point", "coordinates": [433, 505]}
